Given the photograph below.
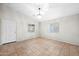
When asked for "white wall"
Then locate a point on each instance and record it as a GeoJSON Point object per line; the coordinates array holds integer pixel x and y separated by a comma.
{"type": "Point", "coordinates": [0, 22]}
{"type": "Point", "coordinates": [21, 23]}
{"type": "Point", "coordinates": [0, 31]}
{"type": "Point", "coordinates": [68, 29]}
{"type": "Point", "coordinates": [22, 28]}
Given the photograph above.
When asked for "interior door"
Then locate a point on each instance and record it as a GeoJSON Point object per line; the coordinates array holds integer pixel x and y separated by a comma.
{"type": "Point", "coordinates": [9, 31]}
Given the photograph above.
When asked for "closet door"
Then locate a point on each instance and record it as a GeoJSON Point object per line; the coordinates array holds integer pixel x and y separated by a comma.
{"type": "Point", "coordinates": [9, 31]}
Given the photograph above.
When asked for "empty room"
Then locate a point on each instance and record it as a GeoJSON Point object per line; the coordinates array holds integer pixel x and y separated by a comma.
{"type": "Point", "coordinates": [39, 29]}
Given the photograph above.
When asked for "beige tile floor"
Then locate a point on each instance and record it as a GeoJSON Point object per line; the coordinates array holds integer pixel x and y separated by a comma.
{"type": "Point", "coordinates": [39, 47]}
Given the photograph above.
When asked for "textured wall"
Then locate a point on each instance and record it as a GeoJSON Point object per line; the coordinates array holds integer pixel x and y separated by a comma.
{"type": "Point", "coordinates": [68, 29]}
{"type": "Point", "coordinates": [21, 24]}
{"type": "Point", "coordinates": [68, 26]}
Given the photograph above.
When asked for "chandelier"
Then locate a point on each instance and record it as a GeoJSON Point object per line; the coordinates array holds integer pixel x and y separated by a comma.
{"type": "Point", "coordinates": [41, 10]}
{"type": "Point", "coordinates": [39, 14]}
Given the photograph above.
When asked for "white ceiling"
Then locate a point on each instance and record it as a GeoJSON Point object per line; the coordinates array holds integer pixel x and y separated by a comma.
{"type": "Point", "coordinates": [55, 10]}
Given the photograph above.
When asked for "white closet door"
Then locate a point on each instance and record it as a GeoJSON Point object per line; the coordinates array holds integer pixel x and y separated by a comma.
{"type": "Point", "coordinates": [9, 31]}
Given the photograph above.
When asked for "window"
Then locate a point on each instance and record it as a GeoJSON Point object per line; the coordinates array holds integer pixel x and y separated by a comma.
{"type": "Point", "coordinates": [31, 27]}
{"type": "Point", "coordinates": [54, 28]}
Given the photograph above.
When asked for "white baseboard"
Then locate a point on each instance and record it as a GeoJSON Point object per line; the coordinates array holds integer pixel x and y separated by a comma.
{"type": "Point", "coordinates": [73, 43]}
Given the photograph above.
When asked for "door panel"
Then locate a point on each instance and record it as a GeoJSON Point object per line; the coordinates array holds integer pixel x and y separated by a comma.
{"type": "Point", "coordinates": [9, 31]}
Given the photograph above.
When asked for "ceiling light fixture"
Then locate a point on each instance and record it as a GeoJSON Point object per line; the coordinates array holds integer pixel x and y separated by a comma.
{"type": "Point", "coordinates": [39, 14]}
{"type": "Point", "coordinates": [40, 11]}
